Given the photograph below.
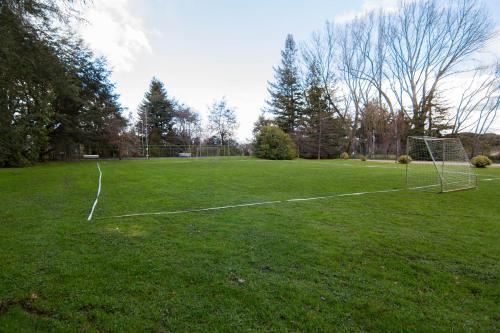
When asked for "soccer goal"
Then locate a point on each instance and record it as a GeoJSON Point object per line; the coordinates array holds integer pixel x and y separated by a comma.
{"type": "Point", "coordinates": [438, 164]}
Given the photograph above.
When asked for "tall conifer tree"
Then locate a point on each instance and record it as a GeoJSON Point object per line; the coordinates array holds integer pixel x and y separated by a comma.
{"type": "Point", "coordinates": [319, 130]}
{"type": "Point", "coordinates": [286, 95]}
{"type": "Point", "coordinates": [160, 113]}
{"type": "Point", "coordinates": [55, 95]}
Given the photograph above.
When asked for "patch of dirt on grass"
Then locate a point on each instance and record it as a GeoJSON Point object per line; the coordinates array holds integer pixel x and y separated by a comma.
{"type": "Point", "coordinates": [27, 305]}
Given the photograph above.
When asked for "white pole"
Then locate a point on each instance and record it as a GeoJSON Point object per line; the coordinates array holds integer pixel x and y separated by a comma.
{"type": "Point", "coordinates": [373, 143]}
{"type": "Point", "coordinates": [147, 142]}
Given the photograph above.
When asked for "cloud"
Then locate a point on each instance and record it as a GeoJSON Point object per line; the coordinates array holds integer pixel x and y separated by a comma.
{"type": "Point", "coordinates": [113, 31]}
{"type": "Point", "coordinates": [367, 6]}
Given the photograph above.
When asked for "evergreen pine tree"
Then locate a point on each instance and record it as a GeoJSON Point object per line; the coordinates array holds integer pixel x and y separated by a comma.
{"type": "Point", "coordinates": [286, 95]}
{"type": "Point", "coordinates": [85, 104]}
{"type": "Point", "coordinates": [54, 94]}
{"type": "Point", "coordinates": [317, 124]}
{"type": "Point", "coordinates": [160, 113]}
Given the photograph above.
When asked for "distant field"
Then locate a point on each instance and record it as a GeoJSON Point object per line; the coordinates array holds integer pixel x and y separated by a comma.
{"type": "Point", "coordinates": [299, 245]}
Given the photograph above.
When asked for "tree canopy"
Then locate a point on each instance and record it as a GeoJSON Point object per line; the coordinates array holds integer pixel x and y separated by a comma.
{"type": "Point", "coordinates": [285, 91]}
{"type": "Point", "coordinates": [55, 95]}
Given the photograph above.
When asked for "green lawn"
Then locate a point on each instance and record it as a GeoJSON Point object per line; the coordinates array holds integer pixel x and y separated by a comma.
{"type": "Point", "coordinates": [382, 262]}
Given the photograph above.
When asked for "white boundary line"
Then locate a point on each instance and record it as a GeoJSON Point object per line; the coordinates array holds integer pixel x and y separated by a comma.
{"type": "Point", "coordinates": [98, 193]}
{"type": "Point", "coordinates": [192, 210]}
{"type": "Point", "coordinates": [248, 204]}
{"type": "Point", "coordinates": [383, 167]}
{"type": "Point", "coordinates": [260, 203]}
{"type": "Point", "coordinates": [488, 175]}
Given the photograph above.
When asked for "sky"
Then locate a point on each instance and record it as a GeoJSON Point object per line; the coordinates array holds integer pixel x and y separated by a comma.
{"type": "Point", "coordinates": [203, 50]}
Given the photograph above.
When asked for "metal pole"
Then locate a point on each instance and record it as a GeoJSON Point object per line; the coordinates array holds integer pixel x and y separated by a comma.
{"type": "Point", "coordinates": [434, 162]}
{"type": "Point", "coordinates": [147, 142]}
{"type": "Point", "coordinates": [442, 166]}
{"type": "Point", "coordinates": [142, 140]}
{"type": "Point", "coordinates": [373, 143]}
{"type": "Point", "coordinates": [407, 155]}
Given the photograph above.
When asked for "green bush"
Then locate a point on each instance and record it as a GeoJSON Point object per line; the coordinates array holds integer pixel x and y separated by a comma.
{"type": "Point", "coordinates": [344, 156]}
{"type": "Point", "coordinates": [273, 144]}
{"type": "Point", "coordinates": [362, 158]}
{"type": "Point", "coordinates": [480, 161]}
{"type": "Point", "coordinates": [404, 159]}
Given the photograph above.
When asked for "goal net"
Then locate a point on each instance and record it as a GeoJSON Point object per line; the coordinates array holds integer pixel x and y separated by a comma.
{"type": "Point", "coordinates": [438, 164]}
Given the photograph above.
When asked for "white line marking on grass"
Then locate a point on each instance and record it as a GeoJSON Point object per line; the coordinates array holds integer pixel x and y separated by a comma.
{"type": "Point", "coordinates": [383, 167]}
{"type": "Point", "coordinates": [313, 198]}
{"type": "Point", "coordinates": [349, 194]}
{"type": "Point", "coordinates": [342, 195]}
{"type": "Point", "coordinates": [269, 202]}
{"type": "Point", "coordinates": [487, 175]}
{"type": "Point", "coordinates": [420, 187]}
{"type": "Point", "coordinates": [98, 193]}
{"type": "Point", "coordinates": [247, 204]}
{"type": "Point", "coordinates": [194, 210]}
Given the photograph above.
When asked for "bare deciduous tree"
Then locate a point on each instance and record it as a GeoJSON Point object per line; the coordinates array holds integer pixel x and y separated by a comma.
{"type": "Point", "coordinates": [478, 105]}
{"type": "Point", "coordinates": [320, 52]}
{"type": "Point", "coordinates": [402, 61]}
{"type": "Point", "coordinates": [479, 101]}
{"type": "Point", "coordinates": [222, 121]}
{"type": "Point", "coordinates": [187, 124]}
{"type": "Point", "coordinates": [426, 44]}
{"type": "Point", "coordinates": [354, 42]}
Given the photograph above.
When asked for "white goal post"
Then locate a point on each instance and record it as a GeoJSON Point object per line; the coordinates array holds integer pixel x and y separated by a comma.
{"type": "Point", "coordinates": [438, 164]}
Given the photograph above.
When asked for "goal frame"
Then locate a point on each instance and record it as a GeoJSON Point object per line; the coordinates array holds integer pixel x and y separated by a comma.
{"type": "Point", "coordinates": [441, 164]}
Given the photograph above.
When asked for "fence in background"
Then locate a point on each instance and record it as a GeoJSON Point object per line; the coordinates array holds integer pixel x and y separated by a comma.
{"type": "Point", "coordinates": [191, 150]}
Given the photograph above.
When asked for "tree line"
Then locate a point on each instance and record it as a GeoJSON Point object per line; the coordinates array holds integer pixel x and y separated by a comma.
{"type": "Point", "coordinates": [57, 100]}
{"type": "Point", "coordinates": [56, 97]}
{"type": "Point", "coordinates": [359, 87]}
{"type": "Point", "coordinates": [162, 122]}
{"type": "Point", "coordinates": [364, 86]}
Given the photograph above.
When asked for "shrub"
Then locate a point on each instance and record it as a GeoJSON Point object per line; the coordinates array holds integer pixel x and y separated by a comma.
{"type": "Point", "coordinates": [273, 144]}
{"type": "Point", "coordinates": [404, 159]}
{"type": "Point", "coordinates": [480, 161]}
{"type": "Point", "coordinates": [344, 156]}
{"type": "Point", "coordinates": [362, 158]}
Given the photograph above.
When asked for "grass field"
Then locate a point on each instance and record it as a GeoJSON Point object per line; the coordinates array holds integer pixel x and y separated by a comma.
{"type": "Point", "coordinates": [383, 261]}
